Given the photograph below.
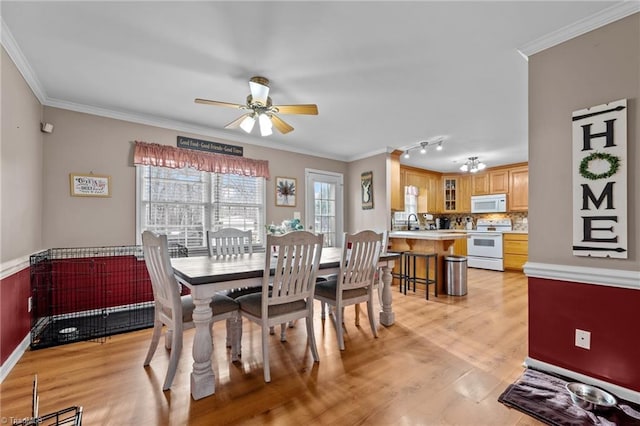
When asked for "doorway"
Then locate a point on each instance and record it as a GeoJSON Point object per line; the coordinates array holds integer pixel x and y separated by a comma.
{"type": "Point", "coordinates": [324, 205]}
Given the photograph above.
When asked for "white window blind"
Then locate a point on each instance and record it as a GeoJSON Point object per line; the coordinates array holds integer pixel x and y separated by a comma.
{"type": "Point", "coordinates": [185, 203]}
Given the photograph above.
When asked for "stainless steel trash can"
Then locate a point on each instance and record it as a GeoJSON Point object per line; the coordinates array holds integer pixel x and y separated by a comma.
{"type": "Point", "coordinates": [455, 275]}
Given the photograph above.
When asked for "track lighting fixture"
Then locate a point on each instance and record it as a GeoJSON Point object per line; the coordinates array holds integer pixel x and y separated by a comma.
{"type": "Point", "coordinates": [424, 145]}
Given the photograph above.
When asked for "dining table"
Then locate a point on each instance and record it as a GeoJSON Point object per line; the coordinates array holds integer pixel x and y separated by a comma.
{"type": "Point", "coordinates": [205, 276]}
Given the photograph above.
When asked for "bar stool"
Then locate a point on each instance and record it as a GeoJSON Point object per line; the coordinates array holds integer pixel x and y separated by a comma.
{"type": "Point", "coordinates": [402, 275]}
{"type": "Point", "coordinates": [410, 271]}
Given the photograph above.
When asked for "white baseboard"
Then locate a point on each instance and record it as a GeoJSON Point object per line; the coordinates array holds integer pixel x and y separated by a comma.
{"type": "Point", "coordinates": [15, 356]}
{"type": "Point", "coordinates": [621, 392]}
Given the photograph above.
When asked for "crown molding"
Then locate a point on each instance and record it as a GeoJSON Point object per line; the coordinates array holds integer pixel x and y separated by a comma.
{"type": "Point", "coordinates": [580, 27]}
{"type": "Point", "coordinates": [14, 52]}
{"type": "Point", "coordinates": [584, 275]}
{"type": "Point", "coordinates": [219, 135]}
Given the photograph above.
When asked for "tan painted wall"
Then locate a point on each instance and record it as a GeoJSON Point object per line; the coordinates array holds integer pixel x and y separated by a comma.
{"type": "Point", "coordinates": [88, 143]}
{"type": "Point", "coordinates": [376, 218]}
{"type": "Point", "coordinates": [21, 169]}
{"type": "Point", "coordinates": [593, 69]}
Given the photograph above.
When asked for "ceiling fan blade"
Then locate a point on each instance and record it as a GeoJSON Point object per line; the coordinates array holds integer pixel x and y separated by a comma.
{"type": "Point", "coordinates": [280, 124]}
{"type": "Point", "coordinates": [218, 103]}
{"type": "Point", "coordinates": [310, 109]}
{"type": "Point", "coordinates": [236, 123]}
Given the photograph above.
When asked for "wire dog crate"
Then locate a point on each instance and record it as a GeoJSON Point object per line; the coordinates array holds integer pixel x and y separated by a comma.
{"type": "Point", "coordinates": [90, 293]}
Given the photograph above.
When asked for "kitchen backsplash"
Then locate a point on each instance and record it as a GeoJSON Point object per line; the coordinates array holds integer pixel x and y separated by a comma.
{"type": "Point", "coordinates": [519, 220]}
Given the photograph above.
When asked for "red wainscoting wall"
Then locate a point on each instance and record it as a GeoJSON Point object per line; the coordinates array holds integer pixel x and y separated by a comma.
{"type": "Point", "coordinates": [611, 314]}
{"type": "Point", "coordinates": [15, 322]}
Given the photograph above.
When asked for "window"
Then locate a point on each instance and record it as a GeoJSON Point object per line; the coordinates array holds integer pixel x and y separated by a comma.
{"type": "Point", "coordinates": [185, 203]}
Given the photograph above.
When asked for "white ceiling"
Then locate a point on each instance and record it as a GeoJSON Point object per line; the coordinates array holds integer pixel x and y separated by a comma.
{"type": "Point", "coordinates": [385, 75]}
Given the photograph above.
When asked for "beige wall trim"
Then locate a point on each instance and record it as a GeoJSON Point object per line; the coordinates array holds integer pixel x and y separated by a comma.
{"type": "Point", "coordinates": [13, 266]}
{"type": "Point", "coordinates": [583, 26]}
{"type": "Point", "coordinates": [584, 275]}
{"type": "Point", "coordinates": [15, 356]}
{"type": "Point", "coordinates": [621, 392]}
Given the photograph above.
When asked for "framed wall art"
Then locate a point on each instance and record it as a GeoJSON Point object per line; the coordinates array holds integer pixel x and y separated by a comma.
{"type": "Point", "coordinates": [89, 185]}
{"type": "Point", "coordinates": [286, 190]}
{"type": "Point", "coordinates": [366, 184]}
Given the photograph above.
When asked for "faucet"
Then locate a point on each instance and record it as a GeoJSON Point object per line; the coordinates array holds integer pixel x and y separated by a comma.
{"type": "Point", "coordinates": [409, 221]}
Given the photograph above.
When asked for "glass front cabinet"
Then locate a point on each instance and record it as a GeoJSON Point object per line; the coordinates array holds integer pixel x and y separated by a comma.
{"type": "Point", "coordinates": [450, 185]}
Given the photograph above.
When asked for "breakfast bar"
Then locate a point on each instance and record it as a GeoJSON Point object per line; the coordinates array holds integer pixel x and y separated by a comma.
{"type": "Point", "coordinates": [438, 242]}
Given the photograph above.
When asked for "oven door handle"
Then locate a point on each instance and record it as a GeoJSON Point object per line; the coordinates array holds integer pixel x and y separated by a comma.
{"type": "Point", "coordinates": [484, 234]}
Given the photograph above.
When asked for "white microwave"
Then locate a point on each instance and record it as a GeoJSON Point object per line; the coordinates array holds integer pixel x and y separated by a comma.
{"type": "Point", "coordinates": [495, 203]}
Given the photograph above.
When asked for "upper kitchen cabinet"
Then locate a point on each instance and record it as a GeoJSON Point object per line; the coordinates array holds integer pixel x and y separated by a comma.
{"type": "Point", "coordinates": [456, 193]}
{"type": "Point", "coordinates": [450, 187]}
{"type": "Point", "coordinates": [490, 182]}
{"type": "Point", "coordinates": [464, 194]}
{"type": "Point", "coordinates": [429, 188]}
{"type": "Point", "coordinates": [480, 184]}
{"type": "Point", "coordinates": [499, 181]}
{"type": "Point", "coordinates": [518, 188]}
{"type": "Point", "coordinates": [419, 180]}
{"type": "Point", "coordinates": [397, 182]}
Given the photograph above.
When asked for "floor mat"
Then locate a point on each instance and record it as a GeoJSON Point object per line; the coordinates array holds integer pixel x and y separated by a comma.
{"type": "Point", "coordinates": [545, 397]}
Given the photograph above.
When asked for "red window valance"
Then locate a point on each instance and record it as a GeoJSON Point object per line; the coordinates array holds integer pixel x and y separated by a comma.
{"type": "Point", "coordinates": [153, 154]}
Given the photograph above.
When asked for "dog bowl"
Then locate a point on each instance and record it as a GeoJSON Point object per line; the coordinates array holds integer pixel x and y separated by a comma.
{"type": "Point", "coordinates": [590, 397]}
{"type": "Point", "coordinates": [67, 334]}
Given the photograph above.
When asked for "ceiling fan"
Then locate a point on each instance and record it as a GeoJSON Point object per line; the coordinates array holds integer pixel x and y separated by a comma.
{"type": "Point", "coordinates": [260, 108]}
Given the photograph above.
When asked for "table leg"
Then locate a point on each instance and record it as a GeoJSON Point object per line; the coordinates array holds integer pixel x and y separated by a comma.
{"type": "Point", "coordinates": [387, 316]}
{"type": "Point", "coordinates": [203, 381]}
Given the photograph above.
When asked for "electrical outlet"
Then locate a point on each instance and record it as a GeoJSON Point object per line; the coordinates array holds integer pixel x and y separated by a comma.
{"type": "Point", "coordinates": [583, 339]}
{"type": "Point", "coordinates": [30, 304]}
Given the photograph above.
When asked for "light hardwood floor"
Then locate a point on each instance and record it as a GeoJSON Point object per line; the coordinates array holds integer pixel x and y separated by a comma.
{"type": "Point", "coordinates": [444, 362]}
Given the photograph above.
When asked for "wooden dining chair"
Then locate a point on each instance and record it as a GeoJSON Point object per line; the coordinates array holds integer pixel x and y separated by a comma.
{"type": "Point", "coordinates": [356, 279]}
{"type": "Point", "coordinates": [229, 242]}
{"type": "Point", "coordinates": [175, 311]}
{"type": "Point", "coordinates": [287, 295]}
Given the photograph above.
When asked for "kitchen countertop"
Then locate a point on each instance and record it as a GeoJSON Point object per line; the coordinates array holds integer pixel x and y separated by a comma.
{"type": "Point", "coordinates": [442, 234]}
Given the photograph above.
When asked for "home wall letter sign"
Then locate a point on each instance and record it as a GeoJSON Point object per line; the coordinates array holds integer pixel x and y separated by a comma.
{"type": "Point", "coordinates": [600, 181]}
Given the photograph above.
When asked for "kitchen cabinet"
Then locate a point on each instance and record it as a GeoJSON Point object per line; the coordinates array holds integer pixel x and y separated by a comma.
{"type": "Point", "coordinates": [519, 188]}
{"type": "Point", "coordinates": [499, 181]}
{"type": "Point", "coordinates": [429, 188]}
{"type": "Point", "coordinates": [460, 247]}
{"type": "Point", "coordinates": [450, 188]}
{"type": "Point", "coordinates": [490, 182]}
{"type": "Point", "coordinates": [397, 184]}
{"type": "Point", "coordinates": [515, 250]}
{"type": "Point", "coordinates": [464, 194]}
{"type": "Point", "coordinates": [418, 179]}
{"type": "Point", "coordinates": [479, 184]}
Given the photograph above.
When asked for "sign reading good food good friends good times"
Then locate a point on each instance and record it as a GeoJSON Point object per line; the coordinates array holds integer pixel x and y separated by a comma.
{"type": "Point", "coordinates": [600, 181]}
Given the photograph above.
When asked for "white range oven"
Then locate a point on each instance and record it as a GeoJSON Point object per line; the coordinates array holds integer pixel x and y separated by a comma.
{"type": "Point", "coordinates": [484, 245]}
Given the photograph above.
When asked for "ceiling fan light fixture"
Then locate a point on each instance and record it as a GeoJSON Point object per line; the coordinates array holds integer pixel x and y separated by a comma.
{"type": "Point", "coordinates": [247, 123]}
{"type": "Point", "coordinates": [259, 87]}
{"type": "Point", "coordinates": [266, 125]}
{"type": "Point", "coordinates": [473, 165]}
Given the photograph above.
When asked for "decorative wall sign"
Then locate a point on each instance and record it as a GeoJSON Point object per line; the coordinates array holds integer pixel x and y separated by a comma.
{"type": "Point", "coordinates": [286, 191]}
{"type": "Point", "coordinates": [366, 184]}
{"type": "Point", "coordinates": [89, 185]}
{"type": "Point", "coordinates": [600, 181]}
{"type": "Point", "coordinates": [208, 146]}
